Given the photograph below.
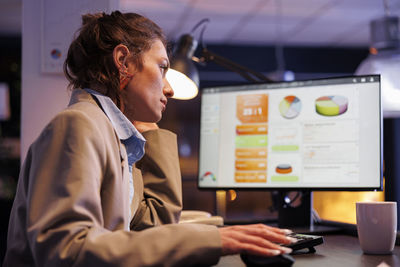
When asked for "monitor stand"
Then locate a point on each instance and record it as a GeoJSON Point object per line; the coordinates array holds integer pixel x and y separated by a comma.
{"type": "Point", "coordinates": [295, 213]}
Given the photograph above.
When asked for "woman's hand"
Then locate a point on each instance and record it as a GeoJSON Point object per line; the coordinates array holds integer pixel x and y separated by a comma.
{"type": "Point", "coordinates": [257, 239]}
{"type": "Point", "coordinates": [145, 126]}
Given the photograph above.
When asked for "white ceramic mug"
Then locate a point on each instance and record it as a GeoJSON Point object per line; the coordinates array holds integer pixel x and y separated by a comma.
{"type": "Point", "coordinates": [377, 226]}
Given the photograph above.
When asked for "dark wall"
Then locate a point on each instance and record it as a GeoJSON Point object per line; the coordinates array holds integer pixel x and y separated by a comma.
{"type": "Point", "coordinates": [298, 59]}
{"type": "Point", "coordinates": [10, 73]}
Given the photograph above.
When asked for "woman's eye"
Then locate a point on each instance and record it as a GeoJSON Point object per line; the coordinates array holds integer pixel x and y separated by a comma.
{"type": "Point", "coordinates": [164, 68]}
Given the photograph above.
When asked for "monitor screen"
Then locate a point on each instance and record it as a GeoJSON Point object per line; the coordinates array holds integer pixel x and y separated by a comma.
{"type": "Point", "coordinates": [316, 134]}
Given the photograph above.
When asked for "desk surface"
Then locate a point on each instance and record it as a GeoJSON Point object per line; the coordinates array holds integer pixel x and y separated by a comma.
{"type": "Point", "coordinates": [337, 251]}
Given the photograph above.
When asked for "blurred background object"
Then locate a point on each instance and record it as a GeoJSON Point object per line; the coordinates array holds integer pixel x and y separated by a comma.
{"type": "Point", "coordinates": [384, 59]}
{"type": "Point", "coordinates": [5, 112]}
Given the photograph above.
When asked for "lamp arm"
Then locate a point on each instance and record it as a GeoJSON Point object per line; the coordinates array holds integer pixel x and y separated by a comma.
{"type": "Point", "coordinates": [228, 64]}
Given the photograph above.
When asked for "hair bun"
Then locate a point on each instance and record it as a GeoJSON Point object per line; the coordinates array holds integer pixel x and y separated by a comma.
{"type": "Point", "coordinates": [89, 18]}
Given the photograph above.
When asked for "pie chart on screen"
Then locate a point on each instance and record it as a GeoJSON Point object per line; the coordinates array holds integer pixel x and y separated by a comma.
{"type": "Point", "coordinates": [208, 176]}
{"type": "Point", "coordinates": [290, 107]}
{"type": "Point", "coordinates": [283, 169]}
{"type": "Point", "coordinates": [331, 105]}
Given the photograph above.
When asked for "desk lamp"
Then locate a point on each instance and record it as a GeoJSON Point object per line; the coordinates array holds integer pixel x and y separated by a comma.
{"type": "Point", "coordinates": [183, 75]}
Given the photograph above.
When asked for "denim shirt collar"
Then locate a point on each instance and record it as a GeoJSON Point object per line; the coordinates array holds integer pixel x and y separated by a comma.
{"type": "Point", "coordinates": [126, 132]}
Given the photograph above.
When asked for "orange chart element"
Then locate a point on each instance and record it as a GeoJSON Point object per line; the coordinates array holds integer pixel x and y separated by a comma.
{"type": "Point", "coordinates": [252, 129]}
{"type": "Point", "coordinates": [283, 168]}
{"type": "Point", "coordinates": [250, 177]}
{"type": "Point", "coordinates": [252, 108]}
{"type": "Point", "coordinates": [251, 165]}
{"type": "Point", "coordinates": [246, 153]}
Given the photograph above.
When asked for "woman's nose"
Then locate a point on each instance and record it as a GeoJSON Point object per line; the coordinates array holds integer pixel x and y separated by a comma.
{"type": "Point", "coordinates": [167, 90]}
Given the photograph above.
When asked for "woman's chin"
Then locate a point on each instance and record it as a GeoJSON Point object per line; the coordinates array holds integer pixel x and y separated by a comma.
{"type": "Point", "coordinates": [150, 119]}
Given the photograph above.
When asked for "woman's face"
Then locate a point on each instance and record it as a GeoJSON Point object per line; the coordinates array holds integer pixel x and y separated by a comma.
{"type": "Point", "coordinates": [145, 96]}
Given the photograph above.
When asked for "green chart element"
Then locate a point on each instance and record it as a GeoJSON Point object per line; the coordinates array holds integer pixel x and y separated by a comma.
{"type": "Point", "coordinates": [251, 141]}
{"type": "Point", "coordinates": [284, 148]}
{"type": "Point", "coordinates": [331, 105]}
{"type": "Point", "coordinates": [285, 178]}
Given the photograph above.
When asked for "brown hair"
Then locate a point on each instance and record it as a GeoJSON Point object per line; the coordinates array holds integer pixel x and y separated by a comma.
{"type": "Point", "coordinates": [89, 60]}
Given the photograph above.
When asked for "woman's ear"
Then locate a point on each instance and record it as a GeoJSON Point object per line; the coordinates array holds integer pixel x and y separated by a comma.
{"type": "Point", "coordinates": [120, 55]}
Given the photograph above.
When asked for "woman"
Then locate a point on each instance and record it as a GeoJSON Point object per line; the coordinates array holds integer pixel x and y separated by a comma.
{"type": "Point", "coordinates": [101, 185]}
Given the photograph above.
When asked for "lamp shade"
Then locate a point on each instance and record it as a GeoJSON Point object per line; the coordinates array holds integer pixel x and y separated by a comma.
{"type": "Point", "coordinates": [387, 64]}
{"type": "Point", "coordinates": [183, 75]}
{"type": "Point", "coordinates": [385, 61]}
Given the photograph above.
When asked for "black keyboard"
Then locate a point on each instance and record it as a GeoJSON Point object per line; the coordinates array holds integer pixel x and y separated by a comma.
{"type": "Point", "coordinates": [305, 242]}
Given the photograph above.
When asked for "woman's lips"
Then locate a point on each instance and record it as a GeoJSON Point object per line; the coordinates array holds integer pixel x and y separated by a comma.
{"type": "Point", "coordinates": [164, 105]}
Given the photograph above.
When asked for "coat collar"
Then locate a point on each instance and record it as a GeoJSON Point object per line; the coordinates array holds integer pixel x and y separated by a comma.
{"type": "Point", "coordinates": [80, 95]}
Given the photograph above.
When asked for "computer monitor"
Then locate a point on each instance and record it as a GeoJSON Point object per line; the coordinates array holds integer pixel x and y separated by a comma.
{"type": "Point", "coordinates": [322, 134]}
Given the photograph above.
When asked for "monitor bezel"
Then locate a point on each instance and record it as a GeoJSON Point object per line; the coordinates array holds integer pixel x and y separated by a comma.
{"type": "Point", "coordinates": [301, 188]}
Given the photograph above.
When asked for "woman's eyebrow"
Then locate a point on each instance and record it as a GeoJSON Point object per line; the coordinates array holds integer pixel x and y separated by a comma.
{"type": "Point", "coordinates": [166, 60]}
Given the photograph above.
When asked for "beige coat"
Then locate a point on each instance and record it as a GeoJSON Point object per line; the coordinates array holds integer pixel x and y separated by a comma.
{"type": "Point", "coordinates": [71, 205]}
